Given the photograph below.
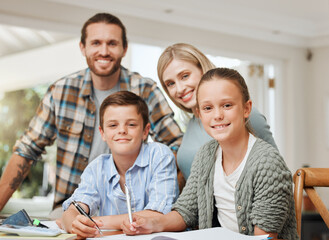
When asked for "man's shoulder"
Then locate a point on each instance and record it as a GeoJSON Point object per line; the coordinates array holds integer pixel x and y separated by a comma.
{"type": "Point", "coordinates": [135, 77]}
{"type": "Point", "coordinates": [73, 79]}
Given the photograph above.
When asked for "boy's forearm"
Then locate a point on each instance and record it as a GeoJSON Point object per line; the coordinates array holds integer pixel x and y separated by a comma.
{"type": "Point", "coordinates": [115, 221]}
{"type": "Point", "coordinates": [14, 174]}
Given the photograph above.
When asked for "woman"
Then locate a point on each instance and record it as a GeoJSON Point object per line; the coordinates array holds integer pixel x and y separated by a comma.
{"type": "Point", "coordinates": [237, 180]}
{"type": "Point", "coordinates": [180, 68]}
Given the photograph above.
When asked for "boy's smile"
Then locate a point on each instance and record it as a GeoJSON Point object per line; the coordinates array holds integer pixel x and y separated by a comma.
{"type": "Point", "coordinates": [123, 130]}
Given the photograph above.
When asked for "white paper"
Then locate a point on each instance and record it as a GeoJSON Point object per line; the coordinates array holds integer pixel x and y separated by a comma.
{"type": "Point", "coordinates": [207, 234]}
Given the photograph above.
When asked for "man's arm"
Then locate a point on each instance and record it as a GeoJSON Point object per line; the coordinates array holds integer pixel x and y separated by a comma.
{"type": "Point", "coordinates": [14, 174]}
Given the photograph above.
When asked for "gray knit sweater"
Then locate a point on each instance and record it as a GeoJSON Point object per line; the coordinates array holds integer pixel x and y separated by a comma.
{"type": "Point", "coordinates": [263, 196]}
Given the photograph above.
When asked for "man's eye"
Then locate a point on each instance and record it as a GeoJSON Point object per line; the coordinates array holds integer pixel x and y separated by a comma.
{"type": "Point", "coordinates": [113, 44]}
{"type": "Point", "coordinates": [95, 43]}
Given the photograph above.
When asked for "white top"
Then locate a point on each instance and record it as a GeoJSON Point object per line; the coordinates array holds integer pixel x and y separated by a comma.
{"type": "Point", "coordinates": [224, 189]}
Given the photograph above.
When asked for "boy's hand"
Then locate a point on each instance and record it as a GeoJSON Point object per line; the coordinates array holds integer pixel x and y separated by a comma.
{"type": "Point", "coordinates": [140, 225]}
{"type": "Point", "coordinates": [84, 227]}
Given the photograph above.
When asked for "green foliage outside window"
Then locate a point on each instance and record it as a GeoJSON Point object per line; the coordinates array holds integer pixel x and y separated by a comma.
{"type": "Point", "coordinates": [16, 110]}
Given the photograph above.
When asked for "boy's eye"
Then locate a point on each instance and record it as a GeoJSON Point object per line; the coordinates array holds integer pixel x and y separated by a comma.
{"type": "Point", "coordinates": [112, 125]}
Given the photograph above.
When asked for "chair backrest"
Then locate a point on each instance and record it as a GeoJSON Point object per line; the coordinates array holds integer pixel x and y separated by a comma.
{"type": "Point", "coordinates": [307, 179]}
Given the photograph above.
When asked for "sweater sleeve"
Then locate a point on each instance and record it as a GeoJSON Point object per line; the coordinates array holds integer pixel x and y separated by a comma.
{"type": "Point", "coordinates": [272, 193]}
{"type": "Point", "coordinates": [187, 202]}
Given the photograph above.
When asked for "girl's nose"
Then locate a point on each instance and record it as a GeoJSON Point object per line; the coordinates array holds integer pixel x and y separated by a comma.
{"type": "Point", "coordinates": [219, 114]}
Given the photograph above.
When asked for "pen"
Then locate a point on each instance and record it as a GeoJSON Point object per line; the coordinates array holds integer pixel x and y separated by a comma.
{"type": "Point", "coordinates": [128, 204]}
{"type": "Point", "coordinates": [80, 209]}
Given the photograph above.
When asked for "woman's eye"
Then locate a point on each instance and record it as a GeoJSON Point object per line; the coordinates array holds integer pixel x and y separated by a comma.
{"type": "Point", "coordinates": [170, 84]}
{"type": "Point", "coordinates": [185, 76]}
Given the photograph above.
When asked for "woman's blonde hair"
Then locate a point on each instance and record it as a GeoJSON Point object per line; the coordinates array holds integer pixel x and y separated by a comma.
{"type": "Point", "coordinates": [183, 52]}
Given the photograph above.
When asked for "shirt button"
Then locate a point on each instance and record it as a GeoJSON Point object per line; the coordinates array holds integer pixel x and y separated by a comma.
{"type": "Point", "coordinates": [88, 136]}
{"type": "Point", "coordinates": [239, 207]}
{"type": "Point", "coordinates": [68, 128]}
{"type": "Point", "coordinates": [92, 112]}
{"type": "Point", "coordinates": [243, 228]}
{"type": "Point", "coordinates": [85, 159]}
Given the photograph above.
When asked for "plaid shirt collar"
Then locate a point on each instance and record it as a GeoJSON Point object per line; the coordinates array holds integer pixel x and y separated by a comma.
{"type": "Point", "coordinates": [87, 84]}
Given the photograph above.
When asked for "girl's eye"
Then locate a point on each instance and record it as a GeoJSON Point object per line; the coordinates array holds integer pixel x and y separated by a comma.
{"type": "Point", "coordinates": [206, 108]}
{"type": "Point", "coordinates": [228, 105]}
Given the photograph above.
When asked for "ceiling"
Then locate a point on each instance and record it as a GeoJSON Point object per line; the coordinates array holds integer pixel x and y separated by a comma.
{"type": "Point", "coordinates": [302, 23]}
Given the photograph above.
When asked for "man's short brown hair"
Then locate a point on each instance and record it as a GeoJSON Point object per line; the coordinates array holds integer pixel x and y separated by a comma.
{"type": "Point", "coordinates": [104, 18]}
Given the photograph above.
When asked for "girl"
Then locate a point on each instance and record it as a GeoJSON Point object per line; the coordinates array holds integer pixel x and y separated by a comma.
{"type": "Point", "coordinates": [237, 179]}
{"type": "Point", "coordinates": [180, 68]}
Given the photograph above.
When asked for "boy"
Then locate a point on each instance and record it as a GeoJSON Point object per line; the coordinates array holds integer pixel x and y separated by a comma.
{"type": "Point", "coordinates": [148, 169]}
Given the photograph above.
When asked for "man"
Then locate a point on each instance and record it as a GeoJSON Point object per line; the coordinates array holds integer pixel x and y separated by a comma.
{"type": "Point", "coordinates": [68, 112]}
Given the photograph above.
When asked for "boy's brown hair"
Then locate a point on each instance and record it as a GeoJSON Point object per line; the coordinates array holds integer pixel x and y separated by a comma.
{"type": "Point", "coordinates": [124, 98]}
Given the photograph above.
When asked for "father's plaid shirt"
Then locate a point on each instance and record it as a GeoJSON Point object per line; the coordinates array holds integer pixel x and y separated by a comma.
{"type": "Point", "coordinates": [67, 114]}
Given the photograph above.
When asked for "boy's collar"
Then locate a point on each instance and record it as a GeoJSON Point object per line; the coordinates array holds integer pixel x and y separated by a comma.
{"type": "Point", "coordinates": [141, 161]}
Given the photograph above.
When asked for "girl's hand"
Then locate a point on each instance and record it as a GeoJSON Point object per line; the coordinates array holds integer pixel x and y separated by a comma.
{"type": "Point", "coordinates": [140, 225]}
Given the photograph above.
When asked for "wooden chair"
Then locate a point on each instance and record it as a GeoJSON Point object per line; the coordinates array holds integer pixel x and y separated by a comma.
{"type": "Point", "coordinates": [307, 179]}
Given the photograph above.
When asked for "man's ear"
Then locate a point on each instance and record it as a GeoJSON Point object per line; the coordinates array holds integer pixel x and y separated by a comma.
{"type": "Point", "coordinates": [125, 51]}
{"type": "Point", "coordinates": [82, 49]}
{"type": "Point", "coordinates": [247, 108]}
{"type": "Point", "coordinates": [102, 133]}
{"type": "Point", "coordinates": [146, 131]}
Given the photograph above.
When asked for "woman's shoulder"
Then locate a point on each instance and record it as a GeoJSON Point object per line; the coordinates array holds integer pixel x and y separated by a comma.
{"type": "Point", "coordinates": [266, 157]}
